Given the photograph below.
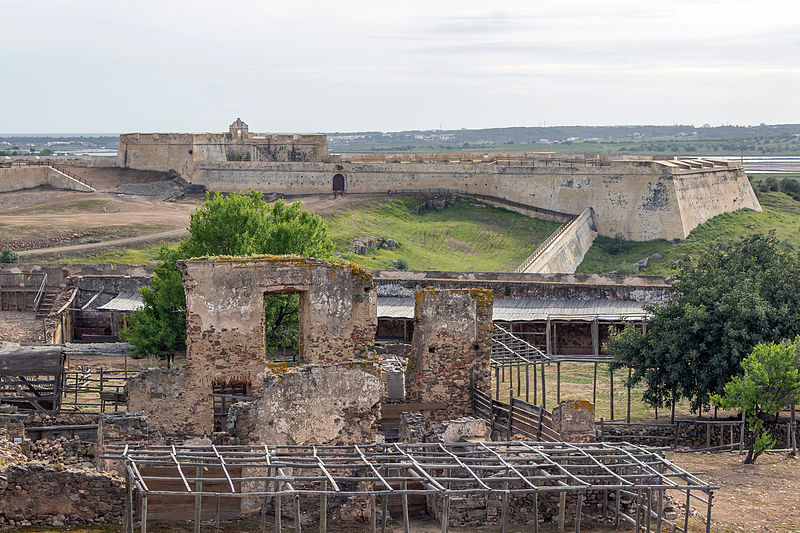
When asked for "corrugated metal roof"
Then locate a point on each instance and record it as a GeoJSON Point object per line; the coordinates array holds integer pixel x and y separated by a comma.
{"type": "Point", "coordinates": [124, 301]}
{"type": "Point", "coordinates": [531, 309]}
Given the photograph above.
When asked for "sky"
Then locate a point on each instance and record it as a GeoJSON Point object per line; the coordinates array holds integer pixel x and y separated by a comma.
{"type": "Point", "coordinates": [91, 66]}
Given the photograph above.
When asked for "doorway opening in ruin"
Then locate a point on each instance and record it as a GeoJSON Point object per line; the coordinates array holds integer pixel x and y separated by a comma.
{"type": "Point", "coordinates": [282, 325]}
{"type": "Point", "coordinates": [224, 396]}
{"type": "Point", "coordinates": [338, 183]}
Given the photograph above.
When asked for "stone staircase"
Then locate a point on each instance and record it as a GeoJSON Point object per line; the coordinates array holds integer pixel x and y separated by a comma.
{"type": "Point", "coordinates": [48, 300]}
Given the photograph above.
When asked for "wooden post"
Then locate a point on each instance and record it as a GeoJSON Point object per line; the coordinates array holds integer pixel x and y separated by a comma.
{"type": "Point", "coordinates": [708, 511]}
{"type": "Point", "coordinates": [628, 411]}
{"type": "Point", "coordinates": [708, 435]}
{"type": "Point", "coordinates": [372, 520]}
{"type": "Point", "coordinates": [660, 510]}
{"type": "Point", "coordinates": [198, 499]}
{"type": "Point", "coordinates": [617, 509]}
{"type": "Point", "coordinates": [296, 513]}
{"type": "Point", "coordinates": [596, 353]}
{"type": "Point", "coordinates": [793, 423]}
{"type": "Point", "coordinates": [544, 390]}
{"type": "Point", "coordinates": [558, 383]}
{"type": "Point", "coordinates": [547, 339]}
{"type": "Point", "coordinates": [497, 383]}
{"type": "Point", "coordinates": [578, 510]}
{"type": "Point", "coordinates": [102, 401]}
{"type": "Point", "coordinates": [535, 512]}
{"type": "Point", "coordinates": [672, 412]}
{"type": "Point", "coordinates": [562, 508]}
{"type": "Point", "coordinates": [527, 382]}
{"type": "Point", "coordinates": [677, 435]}
{"type": "Point", "coordinates": [504, 518]}
{"type": "Point", "coordinates": [510, 429]}
{"type": "Point", "coordinates": [128, 503]}
{"type": "Point", "coordinates": [144, 513]}
{"type": "Point", "coordinates": [216, 516]}
{"type": "Point", "coordinates": [263, 524]}
{"type": "Point", "coordinates": [445, 513]}
{"type": "Point", "coordinates": [405, 504]}
{"type": "Point", "coordinates": [278, 525]}
{"type": "Point", "coordinates": [535, 385]}
{"type": "Point", "coordinates": [611, 373]}
{"type": "Point", "coordinates": [602, 430]}
{"type": "Point", "coordinates": [323, 509]}
{"type": "Point", "coordinates": [688, 511]}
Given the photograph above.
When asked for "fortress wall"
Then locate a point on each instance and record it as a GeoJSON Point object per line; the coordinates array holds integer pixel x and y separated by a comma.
{"type": "Point", "coordinates": [156, 151]}
{"type": "Point", "coordinates": [566, 251]}
{"type": "Point", "coordinates": [704, 194]}
{"type": "Point", "coordinates": [22, 177]}
{"type": "Point", "coordinates": [636, 199]}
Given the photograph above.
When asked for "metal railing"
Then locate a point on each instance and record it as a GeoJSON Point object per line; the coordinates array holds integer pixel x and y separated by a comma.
{"type": "Point", "coordinates": [37, 302]}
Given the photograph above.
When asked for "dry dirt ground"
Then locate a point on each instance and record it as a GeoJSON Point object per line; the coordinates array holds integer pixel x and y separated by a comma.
{"type": "Point", "coordinates": [761, 497]}
{"type": "Point", "coordinates": [20, 327]}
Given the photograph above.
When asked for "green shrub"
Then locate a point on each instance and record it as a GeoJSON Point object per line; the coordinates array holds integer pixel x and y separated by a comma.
{"type": "Point", "coordinates": [7, 255]}
{"type": "Point", "coordinates": [401, 264]}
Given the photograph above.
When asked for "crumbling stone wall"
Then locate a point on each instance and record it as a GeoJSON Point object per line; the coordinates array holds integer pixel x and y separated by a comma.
{"type": "Point", "coordinates": [169, 401]}
{"type": "Point", "coordinates": [225, 332]}
{"type": "Point", "coordinates": [312, 405]}
{"type": "Point", "coordinates": [225, 311]}
{"type": "Point", "coordinates": [452, 345]}
{"type": "Point", "coordinates": [36, 493]}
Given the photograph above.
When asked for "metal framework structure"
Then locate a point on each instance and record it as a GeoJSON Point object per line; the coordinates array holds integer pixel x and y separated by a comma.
{"type": "Point", "coordinates": [497, 469]}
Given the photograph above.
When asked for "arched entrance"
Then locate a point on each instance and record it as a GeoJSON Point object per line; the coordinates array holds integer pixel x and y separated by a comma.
{"type": "Point", "coordinates": [338, 183]}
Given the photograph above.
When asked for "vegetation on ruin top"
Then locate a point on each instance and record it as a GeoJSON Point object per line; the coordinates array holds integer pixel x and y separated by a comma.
{"type": "Point", "coordinates": [465, 236]}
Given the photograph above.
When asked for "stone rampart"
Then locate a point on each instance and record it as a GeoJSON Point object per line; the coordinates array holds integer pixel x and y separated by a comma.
{"type": "Point", "coordinates": [641, 200]}
{"type": "Point", "coordinates": [29, 176]}
{"type": "Point", "coordinates": [567, 248]}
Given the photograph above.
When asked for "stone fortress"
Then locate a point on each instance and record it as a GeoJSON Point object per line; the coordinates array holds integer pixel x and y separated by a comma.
{"type": "Point", "coordinates": [640, 197]}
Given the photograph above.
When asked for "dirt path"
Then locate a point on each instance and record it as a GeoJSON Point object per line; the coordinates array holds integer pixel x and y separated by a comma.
{"type": "Point", "coordinates": [162, 236]}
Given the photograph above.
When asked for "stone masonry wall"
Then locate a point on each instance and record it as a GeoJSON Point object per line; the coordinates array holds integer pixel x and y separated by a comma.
{"type": "Point", "coordinates": [225, 332]}
{"type": "Point", "coordinates": [452, 343]}
{"type": "Point", "coordinates": [36, 493]}
{"type": "Point", "coordinates": [312, 405]}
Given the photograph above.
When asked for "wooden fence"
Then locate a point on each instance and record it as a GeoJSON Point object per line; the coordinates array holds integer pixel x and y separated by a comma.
{"type": "Point", "coordinates": [719, 434]}
{"type": "Point", "coordinates": [94, 391]}
{"type": "Point", "coordinates": [515, 418]}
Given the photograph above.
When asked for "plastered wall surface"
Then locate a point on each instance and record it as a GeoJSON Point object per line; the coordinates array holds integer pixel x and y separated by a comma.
{"type": "Point", "coordinates": [27, 177]}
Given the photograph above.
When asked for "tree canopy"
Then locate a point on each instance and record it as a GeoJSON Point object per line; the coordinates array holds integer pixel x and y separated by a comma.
{"type": "Point", "coordinates": [771, 382]}
{"type": "Point", "coordinates": [720, 306]}
{"type": "Point", "coordinates": [237, 225]}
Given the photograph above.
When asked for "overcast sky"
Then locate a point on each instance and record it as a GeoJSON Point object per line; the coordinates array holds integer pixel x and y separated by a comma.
{"type": "Point", "coordinates": [346, 65]}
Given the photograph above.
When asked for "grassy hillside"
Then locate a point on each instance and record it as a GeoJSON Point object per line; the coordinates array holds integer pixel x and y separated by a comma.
{"type": "Point", "coordinates": [465, 236]}
{"type": "Point", "coordinates": [780, 213]}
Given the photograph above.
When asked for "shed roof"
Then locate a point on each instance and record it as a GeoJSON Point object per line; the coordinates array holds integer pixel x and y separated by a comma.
{"type": "Point", "coordinates": [533, 309]}
{"type": "Point", "coordinates": [124, 301]}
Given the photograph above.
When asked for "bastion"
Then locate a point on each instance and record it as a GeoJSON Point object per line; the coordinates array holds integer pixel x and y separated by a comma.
{"type": "Point", "coordinates": [640, 197]}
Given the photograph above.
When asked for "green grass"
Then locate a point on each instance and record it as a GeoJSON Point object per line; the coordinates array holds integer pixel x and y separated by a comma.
{"type": "Point", "coordinates": [781, 214]}
{"type": "Point", "coordinates": [465, 236]}
{"type": "Point", "coordinates": [94, 205]}
{"type": "Point", "coordinates": [576, 384]}
{"type": "Point", "coordinates": [125, 256]}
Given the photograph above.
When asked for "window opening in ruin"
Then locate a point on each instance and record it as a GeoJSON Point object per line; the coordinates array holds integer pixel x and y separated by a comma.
{"type": "Point", "coordinates": [338, 182]}
{"type": "Point", "coordinates": [224, 397]}
{"type": "Point", "coordinates": [282, 326]}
